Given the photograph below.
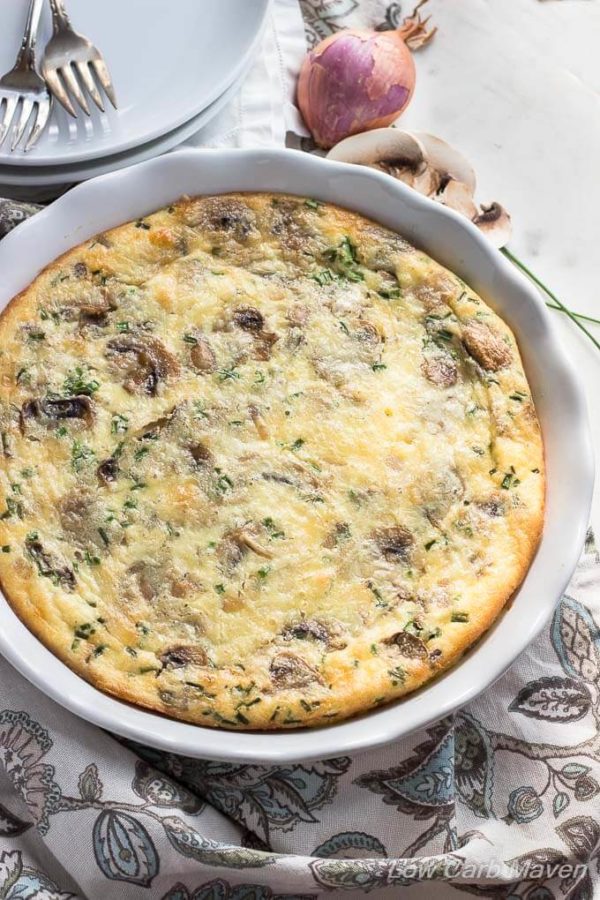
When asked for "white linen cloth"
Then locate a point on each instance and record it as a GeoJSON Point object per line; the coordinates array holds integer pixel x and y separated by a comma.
{"type": "Point", "coordinates": [501, 800]}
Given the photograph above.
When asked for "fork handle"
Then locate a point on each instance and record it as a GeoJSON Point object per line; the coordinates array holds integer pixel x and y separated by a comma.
{"type": "Point", "coordinates": [26, 57]}
{"type": "Point", "coordinates": [60, 17]}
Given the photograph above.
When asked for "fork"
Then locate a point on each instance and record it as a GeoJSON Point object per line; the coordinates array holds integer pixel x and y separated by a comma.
{"type": "Point", "coordinates": [23, 93]}
{"type": "Point", "coordinates": [68, 52]}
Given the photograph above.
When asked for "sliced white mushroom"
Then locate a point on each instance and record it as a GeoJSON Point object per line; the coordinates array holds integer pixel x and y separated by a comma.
{"type": "Point", "coordinates": [447, 160]}
{"type": "Point", "coordinates": [430, 166]}
{"type": "Point", "coordinates": [427, 181]}
{"type": "Point", "coordinates": [423, 161]}
{"type": "Point", "coordinates": [495, 223]}
{"type": "Point", "coordinates": [390, 150]}
{"type": "Point", "coordinates": [458, 196]}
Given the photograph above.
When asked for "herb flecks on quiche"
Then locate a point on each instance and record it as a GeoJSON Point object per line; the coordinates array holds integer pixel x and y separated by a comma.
{"type": "Point", "coordinates": [264, 464]}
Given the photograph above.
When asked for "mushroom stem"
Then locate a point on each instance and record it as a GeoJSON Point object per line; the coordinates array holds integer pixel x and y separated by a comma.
{"type": "Point", "coordinates": [253, 545]}
{"type": "Point", "coordinates": [259, 423]}
{"type": "Point", "coordinates": [559, 304]}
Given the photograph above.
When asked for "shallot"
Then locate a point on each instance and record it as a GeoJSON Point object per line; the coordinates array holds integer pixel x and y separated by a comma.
{"type": "Point", "coordinates": [356, 80]}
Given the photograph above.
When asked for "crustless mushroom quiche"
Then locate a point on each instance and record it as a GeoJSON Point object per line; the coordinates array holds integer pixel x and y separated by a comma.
{"type": "Point", "coordinates": [264, 464]}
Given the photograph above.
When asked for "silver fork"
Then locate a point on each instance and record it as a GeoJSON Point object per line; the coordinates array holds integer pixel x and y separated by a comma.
{"type": "Point", "coordinates": [68, 53]}
{"type": "Point", "coordinates": [24, 97]}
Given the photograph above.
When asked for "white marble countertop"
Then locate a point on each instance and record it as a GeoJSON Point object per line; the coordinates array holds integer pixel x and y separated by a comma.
{"type": "Point", "coordinates": [516, 86]}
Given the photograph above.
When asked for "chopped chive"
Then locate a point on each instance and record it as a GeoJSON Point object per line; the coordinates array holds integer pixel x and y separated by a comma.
{"type": "Point", "coordinates": [78, 381]}
{"type": "Point", "coordinates": [274, 532]}
{"type": "Point", "coordinates": [379, 598]}
{"type": "Point", "coordinates": [199, 412]}
{"type": "Point", "coordinates": [459, 617]}
{"type": "Point", "coordinates": [80, 454]}
{"type": "Point", "coordinates": [84, 631]}
{"type": "Point", "coordinates": [326, 276]}
{"type": "Point", "coordinates": [91, 560]}
{"type": "Point", "coordinates": [224, 483]}
{"type": "Point", "coordinates": [397, 675]}
{"type": "Point", "coordinates": [119, 424]}
{"type": "Point", "coordinates": [228, 374]}
{"type": "Point", "coordinates": [13, 507]}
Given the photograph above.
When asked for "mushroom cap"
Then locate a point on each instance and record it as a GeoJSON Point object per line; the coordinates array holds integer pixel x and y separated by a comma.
{"type": "Point", "coordinates": [459, 196]}
{"type": "Point", "coordinates": [446, 160]}
{"type": "Point", "coordinates": [390, 146]}
{"type": "Point", "coordinates": [495, 223]}
{"type": "Point", "coordinates": [430, 166]}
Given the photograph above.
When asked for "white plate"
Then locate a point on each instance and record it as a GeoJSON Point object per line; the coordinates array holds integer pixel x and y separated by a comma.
{"type": "Point", "coordinates": [42, 176]}
{"type": "Point", "coordinates": [169, 59]}
{"type": "Point", "coordinates": [455, 242]}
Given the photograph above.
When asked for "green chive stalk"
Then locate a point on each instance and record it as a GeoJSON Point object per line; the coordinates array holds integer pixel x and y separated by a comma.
{"type": "Point", "coordinates": [577, 318]}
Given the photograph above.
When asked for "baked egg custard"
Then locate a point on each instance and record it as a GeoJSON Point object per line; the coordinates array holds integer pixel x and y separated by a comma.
{"type": "Point", "coordinates": [264, 464]}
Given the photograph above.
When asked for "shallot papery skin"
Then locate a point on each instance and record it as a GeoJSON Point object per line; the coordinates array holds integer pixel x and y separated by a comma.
{"type": "Point", "coordinates": [354, 81]}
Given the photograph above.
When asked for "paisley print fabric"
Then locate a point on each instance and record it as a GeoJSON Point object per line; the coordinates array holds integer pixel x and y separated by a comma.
{"type": "Point", "coordinates": [13, 213]}
{"type": "Point", "coordinates": [500, 800]}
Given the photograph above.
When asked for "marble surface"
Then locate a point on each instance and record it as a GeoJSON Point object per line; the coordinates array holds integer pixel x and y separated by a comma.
{"type": "Point", "coordinates": [516, 86]}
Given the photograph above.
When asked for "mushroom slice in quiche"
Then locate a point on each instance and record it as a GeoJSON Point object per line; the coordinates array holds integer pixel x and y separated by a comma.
{"type": "Point", "coordinates": [264, 464]}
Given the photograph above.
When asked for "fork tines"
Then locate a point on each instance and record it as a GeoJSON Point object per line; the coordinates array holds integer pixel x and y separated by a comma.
{"type": "Point", "coordinates": [19, 112]}
{"type": "Point", "coordinates": [70, 79]}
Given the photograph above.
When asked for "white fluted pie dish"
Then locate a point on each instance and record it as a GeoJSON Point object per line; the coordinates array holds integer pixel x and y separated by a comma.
{"type": "Point", "coordinates": [130, 194]}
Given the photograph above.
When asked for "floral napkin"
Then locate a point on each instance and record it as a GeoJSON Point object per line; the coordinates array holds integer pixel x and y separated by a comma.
{"type": "Point", "coordinates": [500, 800]}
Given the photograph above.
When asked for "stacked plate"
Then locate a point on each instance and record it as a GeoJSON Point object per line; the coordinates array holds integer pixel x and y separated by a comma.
{"type": "Point", "coordinates": [174, 63]}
